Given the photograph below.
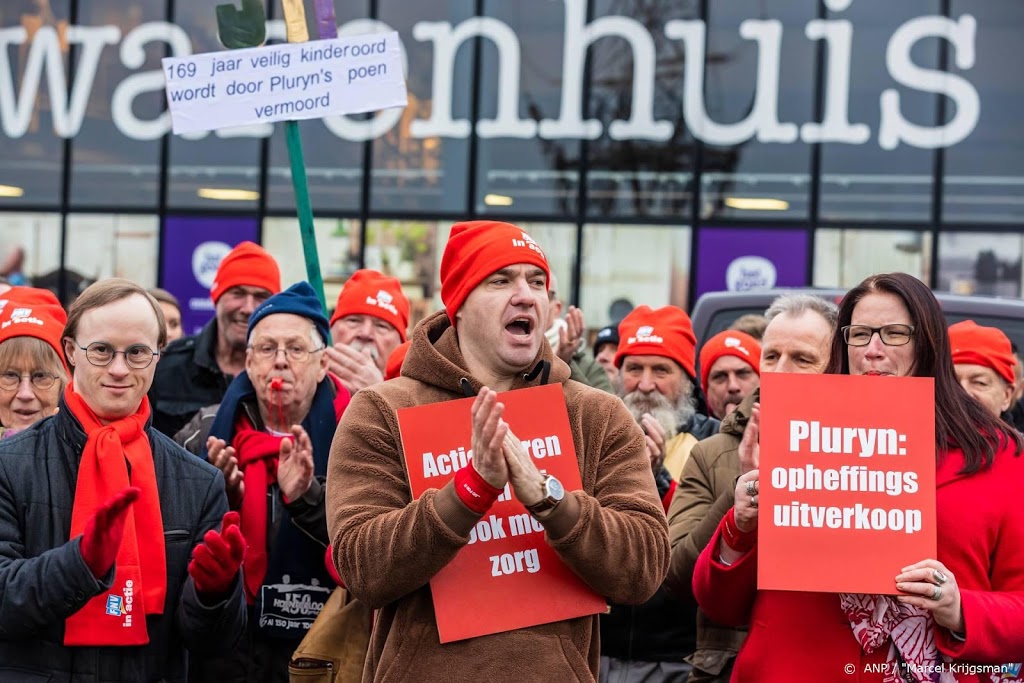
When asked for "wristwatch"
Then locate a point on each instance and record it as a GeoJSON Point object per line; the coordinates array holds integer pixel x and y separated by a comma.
{"type": "Point", "coordinates": [553, 492]}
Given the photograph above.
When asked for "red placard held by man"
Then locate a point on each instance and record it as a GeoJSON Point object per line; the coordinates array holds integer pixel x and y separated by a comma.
{"type": "Point", "coordinates": [507, 577]}
{"type": "Point", "coordinates": [847, 481]}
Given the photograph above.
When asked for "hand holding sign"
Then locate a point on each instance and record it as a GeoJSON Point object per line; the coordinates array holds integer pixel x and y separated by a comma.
{"type": "Point", "coordinates": [489, 432]}
{"type": "Point", "coordinates": [932, 586]}
{"type": "Point", "coordinates": [750, 448]}
{"type": "Point", "coordinates": [745, 508]}
{"type": "Point", "coordinates": [523, 474]}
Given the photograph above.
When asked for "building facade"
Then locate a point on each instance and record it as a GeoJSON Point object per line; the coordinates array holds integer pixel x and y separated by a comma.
{"type": "Point", "coordinates": [656, 148]}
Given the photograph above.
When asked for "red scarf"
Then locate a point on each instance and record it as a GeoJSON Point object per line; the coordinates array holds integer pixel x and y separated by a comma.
{"type": "Point", "coordinates": [257, 453]}
{"type": "Point", "coordinates": [118, 617]}
{"type": "Point", "coordinates": [257, 458]}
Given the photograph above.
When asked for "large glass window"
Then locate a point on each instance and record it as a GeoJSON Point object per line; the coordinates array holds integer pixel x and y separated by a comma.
{"type": "Point", "coordinates": [217, 170]}
{"type": "Point", "coordinates": [413, 171]}
{"type": "Point", "coordinates": [30, 248]}
{"type": "Point", "coordinates": [884, 168]}
{"type": "Point", "coordinates": [642, 162]}
{"type": "Point", "coordinates": [116, 156]}
{"type": "Point", "coordinates": [333, 154]}
{"type": "Point", "coordinates": [110, 245]}
{"type": "Point", "coordinates": [337, 244]}
{"type": "Point", "coordinates": [842, 258]}
{"type": "Point", "coordinates": [521, 84]}
{"type": "Point", "coordinates": [411, 252]}
{"type": "Point", "coordinates": [980, 263]}
{"type": "Point", "coordinates": [625, 266]}
{"type": "Point", "coordinates": [32, 124]}
{"type": "Point", "coordinates": [754, 162]}
{"type": "Point", "coordinates": [985, 173]}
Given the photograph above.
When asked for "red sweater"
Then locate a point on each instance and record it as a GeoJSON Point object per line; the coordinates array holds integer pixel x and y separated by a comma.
{"type": "Point", "coordinates": [805, 637]}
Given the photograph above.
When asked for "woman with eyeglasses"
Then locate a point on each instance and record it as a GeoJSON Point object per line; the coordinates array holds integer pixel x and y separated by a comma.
{"type": "Point", "coordinates": [954, 612]}
{"type": "Point", "coordinates": [32, 371]}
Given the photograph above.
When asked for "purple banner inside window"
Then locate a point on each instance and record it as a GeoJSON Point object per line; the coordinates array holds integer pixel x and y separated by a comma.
{"type": "Point", "coordinates": [744, 259]}
{"type": "Point", "coordinates": [193, 247]}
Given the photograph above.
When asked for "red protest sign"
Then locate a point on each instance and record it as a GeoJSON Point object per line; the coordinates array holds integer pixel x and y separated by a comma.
{"type": "Point", "coordinates": [508, 577]}
{"type": "Point", "coordinates": [847, 481]}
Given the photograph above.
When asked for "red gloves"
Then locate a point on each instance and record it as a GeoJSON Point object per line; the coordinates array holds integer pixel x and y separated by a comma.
{"type": "Point", "coordinates": [101, 539]}
{"type": "Point", "coordinates": [331, 569]}
{"type": "Point", "coordinates": [215, 561]}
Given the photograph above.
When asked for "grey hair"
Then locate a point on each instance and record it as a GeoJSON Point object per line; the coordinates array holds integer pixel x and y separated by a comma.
{"type": "Point", "coordinates": [797, 304]}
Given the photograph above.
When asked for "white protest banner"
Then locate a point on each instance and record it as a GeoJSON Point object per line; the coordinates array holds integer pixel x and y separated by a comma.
{"type": "Point", "coordinates": [284, 82]}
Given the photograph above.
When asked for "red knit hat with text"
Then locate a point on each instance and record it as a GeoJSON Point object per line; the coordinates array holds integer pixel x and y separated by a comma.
{"type": "Point", "coordinates": [393, 368]}
{"type": "Point", "coordinates": [369, 292]}
{"type": "Point", "coordinates": [971, 343]}
{"type": "Point", "coordinates": [666, 332]}
{"type": "Point", "coordinates": [32, 312]}
{"type": "Point", "coordinates": [476, 249]}
{"type": "Point", "coordinates": [729, 343]}
{"type": "Point", "coordinates": [247, 265]}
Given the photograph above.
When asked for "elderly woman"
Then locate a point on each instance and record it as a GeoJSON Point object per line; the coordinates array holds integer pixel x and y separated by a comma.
{"type": "Point", "coordinates": [32, 370]}
{"type": "Point", "coordinates": [965, 606]}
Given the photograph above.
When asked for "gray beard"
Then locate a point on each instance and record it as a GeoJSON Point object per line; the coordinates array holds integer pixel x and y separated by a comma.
{"type": "Point", "coordinates": [359, 346]}
{"type": "Point", "coordinates": [670, 417]}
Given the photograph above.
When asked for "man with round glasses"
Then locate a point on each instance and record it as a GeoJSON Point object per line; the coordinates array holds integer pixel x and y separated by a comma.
{"type": "Point", "coordinates": [117, 550]}
{"type": "Point", "coordinates": [271, 436]}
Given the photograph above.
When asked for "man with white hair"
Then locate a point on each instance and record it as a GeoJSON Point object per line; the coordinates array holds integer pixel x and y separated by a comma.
{"type": "Point", "coordinates": [271, 436]}
{"type": "Point", "coordinates": [656, 354]}
{"type": "Point", "coordinates": [796, 340]}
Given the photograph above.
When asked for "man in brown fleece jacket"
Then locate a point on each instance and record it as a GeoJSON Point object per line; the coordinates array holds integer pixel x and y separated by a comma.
{"type": "Point", "coordinates": [387, 547]}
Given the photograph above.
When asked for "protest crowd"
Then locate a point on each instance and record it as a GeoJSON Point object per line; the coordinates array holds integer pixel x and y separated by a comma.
{"type": "Point", "coordinates": [500, 493]}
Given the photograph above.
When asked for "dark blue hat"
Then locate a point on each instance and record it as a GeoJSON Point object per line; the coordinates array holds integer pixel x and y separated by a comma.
{"type": "Point", "coordinates": [607, 335]}
{"type": "Point", "coordinates": [299, 299]}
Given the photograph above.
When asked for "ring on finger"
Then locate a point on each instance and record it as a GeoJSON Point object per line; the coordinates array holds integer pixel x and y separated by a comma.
{"type": "Point", "coordinates": [751, 488]}
{"type": "Point", "coordinates": [939, 577]}
{"type": "Point", "coordinates": [753, 501]}
{"type": "Point", "coordinates": [937, 593]}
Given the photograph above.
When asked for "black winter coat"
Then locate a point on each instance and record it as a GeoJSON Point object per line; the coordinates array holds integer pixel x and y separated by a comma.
{"type": "Point", "coordinates": [187, 378]}
{"type": "Point", "coordinates": [43, 578]}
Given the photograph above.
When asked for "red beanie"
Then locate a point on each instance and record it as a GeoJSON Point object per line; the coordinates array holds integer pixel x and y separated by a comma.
{"type": "Point", "coordinates": [247, 265]}
{"type": "Point", "coordinates": [478, 248]}
{"type": "Point", "coordinates": [32, 312]}
{"type": "Point", "coordinates": [729, 343]}
{"type": "Point", "coordinates": [394, 365]}
{"type": "Point", "coordinates": [369, 292]}
{"type": "Point", "coordinates": [988, 346]}
{"type": "Point", "coordinates": [664, 332]}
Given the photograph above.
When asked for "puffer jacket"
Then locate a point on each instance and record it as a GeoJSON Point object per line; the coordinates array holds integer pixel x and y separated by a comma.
{"type": "Point", "coordinates": [43, 578]}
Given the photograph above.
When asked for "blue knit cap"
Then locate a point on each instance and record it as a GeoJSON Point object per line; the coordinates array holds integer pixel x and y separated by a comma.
{"type": "Point", "coordinates": [299, 299]}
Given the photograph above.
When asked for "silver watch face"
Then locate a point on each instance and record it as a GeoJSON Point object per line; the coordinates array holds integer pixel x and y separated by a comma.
{"type": "Point", "coordinates": [553, 489]}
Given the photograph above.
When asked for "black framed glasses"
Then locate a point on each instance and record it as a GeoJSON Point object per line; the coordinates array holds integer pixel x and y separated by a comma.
{"type": "Point", "coordinates": [294, 352]}
{"type": "Point", "coordinates": [11, 380]}
{"type": "Point", "coordinates": [101, 354]}
{"type": "Point", "coordinates": [891, 335]}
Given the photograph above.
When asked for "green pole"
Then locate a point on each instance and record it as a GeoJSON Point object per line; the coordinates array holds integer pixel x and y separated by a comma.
{"type": "Point", "coordinates": [305, 211]}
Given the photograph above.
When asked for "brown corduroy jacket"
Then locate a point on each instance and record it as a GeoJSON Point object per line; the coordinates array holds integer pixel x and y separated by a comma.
{"type": "Point", "coordinates": [388, 546]}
